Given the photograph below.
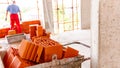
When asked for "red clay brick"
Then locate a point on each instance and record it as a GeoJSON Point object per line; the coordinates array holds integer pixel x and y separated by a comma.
{"type": "Point", "coordinates": [33, 53]}
{"type": "Point", "coordinates": [51, 47]}
{"type": "Point", "coordinates": [23, 48]}
{"type": "Point", "coordinates": [11, 32]}
{"type": "Point", "coordinates": [39, 31]}
{"type": "Point", "coordinates": [70, 52]}
{"type": "Point", "coordinates": [20, 63]}
{"type": "Point", "coordinates": [30, 51]}
{"type": "Point", "coordinates": [9, 60]}
{"type": "Point", "coordinates": [39, 52]}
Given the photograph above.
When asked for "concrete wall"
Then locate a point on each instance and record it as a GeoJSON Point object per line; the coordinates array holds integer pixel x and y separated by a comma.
{"type": "Point", "coordinates": [108, 39]}
{"type": "Point", "coordinates": [85, 14]}
{"type": "Point", "coordinates": [109, 34]}
{"type": "Point", "coordinates": [95, 33]}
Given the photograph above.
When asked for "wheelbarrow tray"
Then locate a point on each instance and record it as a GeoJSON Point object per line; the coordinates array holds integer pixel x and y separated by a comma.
{"type": "Point", "coordinates": [74, 62]}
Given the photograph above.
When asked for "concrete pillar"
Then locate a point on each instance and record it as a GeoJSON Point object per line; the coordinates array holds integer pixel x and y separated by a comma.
{"type": "Point", "coordinates": [94, 31]}
{"type": "Point", "coordinates": [85, 14]}
{"type": "Point", "coordinates": [106, 50]}
{"type": "Point", "coordinates": [48, 15]}
{"type": "Point", "coordinates": [109, 41]}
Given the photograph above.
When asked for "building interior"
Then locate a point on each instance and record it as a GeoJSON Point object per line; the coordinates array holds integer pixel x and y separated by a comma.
{"type": "Point", "coordinates": [90, 27]}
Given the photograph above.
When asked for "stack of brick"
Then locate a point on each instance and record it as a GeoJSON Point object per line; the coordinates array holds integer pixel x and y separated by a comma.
{"type": "Point", "coordinates": [13, 60]}
{"type": "Point", "coordinates": [10, 54]}
{"type": "Point", "coordinates": [4, 32]}
{"type": "Point", "coordinates": [25, 25]}
{"type": "Point", "coordinates": [11, 32]}
{"type": "Point", "coordinates": [38, 31]}
{"type": "Point", "coordinates": [18, 62]}
{"type": "Point", "coordinates": [41, 46]}
{"type": "Point", "coordinates": [40, 50]}
{"type": "Point", "coordinates": [29, 51]}
{"type": "Point", "coordinates": [32, 30]}
{"type": "Point", "coordinates": [50, 47]}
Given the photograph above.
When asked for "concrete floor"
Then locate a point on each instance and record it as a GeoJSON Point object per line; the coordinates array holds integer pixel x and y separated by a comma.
{"type": "Point", "coordinates": [82, 36]}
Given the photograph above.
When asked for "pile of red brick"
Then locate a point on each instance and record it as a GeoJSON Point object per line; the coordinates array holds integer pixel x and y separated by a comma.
{"type": "Point", "coordinates": [4, 32]}
{"type": "Point", "coordinates": [50, 47]}
{"type": "Point", "coordinates": [37, 31]}
{"type": "Point", "coordinates": [30, 51]}
{"type": "Point", "coordinates": [11, 32]}
{"type": "Point", "coordinates": [24, 26]}
{"type": "Point", "coordinates": [40, 50]}
{"type": "Point", "coordinates": [13, 60]}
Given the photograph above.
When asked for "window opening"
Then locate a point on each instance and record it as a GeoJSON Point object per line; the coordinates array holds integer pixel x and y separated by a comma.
{"type": "Point", "coordinates": [66, 15]}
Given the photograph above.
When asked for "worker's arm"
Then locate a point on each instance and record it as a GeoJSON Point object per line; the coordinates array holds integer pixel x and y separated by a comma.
{"type": "Point", "coordinates": [6, 15]}
{"type": "Point", "coordinates": [20, 16]}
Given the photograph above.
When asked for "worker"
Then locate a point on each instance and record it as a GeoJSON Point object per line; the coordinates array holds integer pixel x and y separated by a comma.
{"type": "Point", "coordinates": [14, 10]}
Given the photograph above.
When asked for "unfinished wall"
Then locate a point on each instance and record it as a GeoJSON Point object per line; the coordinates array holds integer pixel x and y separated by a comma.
{"type": "Point", "coordinates": [85, 14]}
{"type": "Point", "coordinates": [109, 34]}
